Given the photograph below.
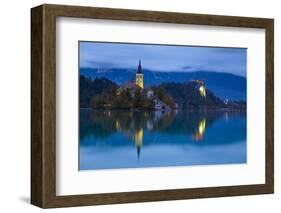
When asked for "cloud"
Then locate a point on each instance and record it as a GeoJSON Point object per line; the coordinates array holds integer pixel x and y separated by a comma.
{"type": "Point", "coordinates": [163, 57]}
{"type": "Point", "coordinates": [102, 64]}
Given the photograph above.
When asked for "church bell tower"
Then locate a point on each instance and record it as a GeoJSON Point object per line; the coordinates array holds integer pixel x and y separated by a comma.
{"type": "Point", "coordinates": [139, 76]}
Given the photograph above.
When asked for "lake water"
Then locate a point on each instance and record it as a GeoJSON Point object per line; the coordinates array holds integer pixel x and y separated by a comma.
{"type": "Point", "coordinates": [135, 139]}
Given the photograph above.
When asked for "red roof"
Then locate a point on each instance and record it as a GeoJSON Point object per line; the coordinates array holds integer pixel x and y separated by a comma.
{"type": "Point", "coordinates": [130, 85]}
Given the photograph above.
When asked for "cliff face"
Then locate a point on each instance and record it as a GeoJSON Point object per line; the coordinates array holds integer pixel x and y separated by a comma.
{"type": "Point", "coordinates": [190, 95]}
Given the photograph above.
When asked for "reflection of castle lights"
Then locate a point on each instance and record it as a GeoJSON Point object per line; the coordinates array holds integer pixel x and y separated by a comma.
{"type": "Point", "coordinates": [117, 125]}
{"type": "Point", "coordinates": [137, 139]}
{"type": "Point", "coordinates": [200, 131]}
{"type": "Point", "coordinates": [202, 126]}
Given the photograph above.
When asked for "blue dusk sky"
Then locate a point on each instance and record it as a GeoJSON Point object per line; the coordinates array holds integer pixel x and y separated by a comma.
{"type": "Point", "coordinates": [163, 57]}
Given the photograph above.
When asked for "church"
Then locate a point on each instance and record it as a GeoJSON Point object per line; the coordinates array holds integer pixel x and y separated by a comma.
{"type": "Point", "coordinates": [139, 76]}
{"type": "Point", "coordinates": [138, 82]}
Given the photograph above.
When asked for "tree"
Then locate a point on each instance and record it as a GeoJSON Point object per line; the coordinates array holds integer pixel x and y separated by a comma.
{"type": "Point", "coordinates": [90, 88]}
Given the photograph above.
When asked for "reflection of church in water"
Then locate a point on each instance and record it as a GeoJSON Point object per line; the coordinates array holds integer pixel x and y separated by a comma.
{"type": "Point", "coordinates": [137, 139]}
{"type": "Point", "coordinates": [138, 136]}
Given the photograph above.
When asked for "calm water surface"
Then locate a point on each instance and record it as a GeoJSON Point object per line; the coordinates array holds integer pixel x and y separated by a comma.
{"type": "Point", "coordinates": [123, 139]}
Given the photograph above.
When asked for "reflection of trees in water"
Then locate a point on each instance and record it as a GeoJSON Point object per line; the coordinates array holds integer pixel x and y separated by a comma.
{"type": "Point", "coordinates": [103, 122]}
{"type": "Point", "coordinates": [193, 123]}
{"type": "Point", "coordinates": [196, 122]}
{"type": "Point", "coordinates": [133, 124]}
{"type": "Point", "coordinates": [188, 121]}
{"type": "Point", "coordinates": [90, 128]}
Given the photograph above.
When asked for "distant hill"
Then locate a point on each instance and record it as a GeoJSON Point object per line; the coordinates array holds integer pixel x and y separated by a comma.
{"type": "Point", "coordinates": [224, 85]}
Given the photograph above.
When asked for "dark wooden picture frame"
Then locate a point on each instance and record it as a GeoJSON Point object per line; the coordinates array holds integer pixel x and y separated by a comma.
{"type": "Point", "coordinates": [43, 105]}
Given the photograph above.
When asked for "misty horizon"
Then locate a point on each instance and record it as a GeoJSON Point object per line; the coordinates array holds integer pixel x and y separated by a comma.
{"type": "Point", "coordinates": [133, 70]}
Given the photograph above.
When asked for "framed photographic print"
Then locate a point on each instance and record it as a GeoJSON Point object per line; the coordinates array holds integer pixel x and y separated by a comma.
{"type": "Point", "coordinates": [135, 106]}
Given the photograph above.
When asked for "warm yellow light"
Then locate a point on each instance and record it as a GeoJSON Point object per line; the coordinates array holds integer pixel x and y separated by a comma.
{"type": "Point", "coordinates": [202, 91]}
{"type": "Point", "coordinates": [118, 91]}
{"type": "Point", "coordinates": [117, 124]}
{"type": "Point", "coordinates": [139, 80]}
{"type": "Point", "coordinates": [200, 131]}
{"type": "Point", "coordinates": [202, 127]}
{"type": "Point", "coordinates": [137, 138]}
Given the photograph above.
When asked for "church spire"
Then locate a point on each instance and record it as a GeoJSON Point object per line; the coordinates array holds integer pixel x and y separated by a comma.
{"type": "Point", "coordinates": [139, 67]}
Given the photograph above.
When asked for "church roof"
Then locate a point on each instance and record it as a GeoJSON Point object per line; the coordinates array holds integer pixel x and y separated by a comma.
{"type": "Point", "coordinates": [130, 84]}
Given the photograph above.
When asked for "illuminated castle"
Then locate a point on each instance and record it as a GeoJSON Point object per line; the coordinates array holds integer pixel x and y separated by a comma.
{"type": "Point", "coordinates": [200, 86]}
{"type": "Point", "coordinates": [139, 77]}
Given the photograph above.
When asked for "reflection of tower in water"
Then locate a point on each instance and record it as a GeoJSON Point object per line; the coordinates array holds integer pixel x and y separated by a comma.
{"type": "Point", "coordinates": [200, 131]}
{"type": "Point", "coordinates": [137, 139]}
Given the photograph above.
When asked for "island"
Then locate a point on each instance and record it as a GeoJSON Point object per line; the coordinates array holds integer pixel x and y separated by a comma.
{"type": "Point", "coordinates": [102, 93]}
